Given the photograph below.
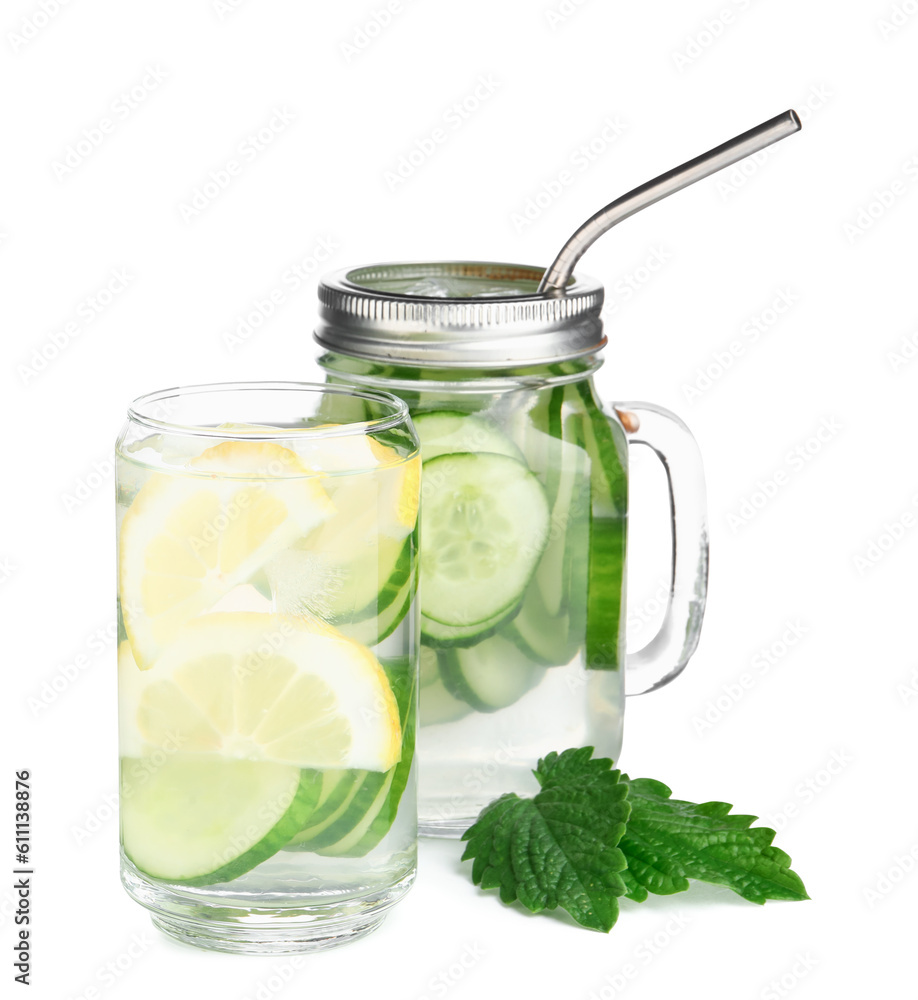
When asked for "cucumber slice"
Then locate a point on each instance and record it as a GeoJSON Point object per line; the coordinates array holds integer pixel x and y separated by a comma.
{"type": "Point", "coordinates": [540, 432]}
{"type": "Point", "coordinates": [372, 631]}
{"type": "Point", "coordinates": [439, 706]}
{"type": "Point", "coordinates": [340, 408]}
{"type": "Point", "coordinates": [484, 521]}
{"type": "Point", "coordinates": [373, 824]}
{"type": "Point", "coordinates": [378, 818]}
{"type": "Point", "coordinates": [428, 668]}
{"type": "Point", "coordinates": [337, 793]}
{"type": "Point", "coordinates": [390, 591]}
{"type": "Point", "coordinates": [363, 794]}
{"type": "Point", "coordinates": [550, 625]}
{"type": "Point", "coordinates": [606, 595]}
{"type": "Point", "coordinates": [606, 444]}
{"type": "Point", "coordinates": [490, 676]}
{"type": "Point", "coordinates": [566, 467]}
{"type": "Point", "coordinates": [341, 578]}
{"type": "Point", "coordinates": [201, 821]}
{"type": "Point", "coordinates": [447, 432]}
{"type": "Point", "coordinates": [608, 448]}
{"type": "Point", "coordinates": [440, 636]}
{"type": "Point", "coordinates": [547, 640]}
{"type": "Point", "coordinates": [576, 566]}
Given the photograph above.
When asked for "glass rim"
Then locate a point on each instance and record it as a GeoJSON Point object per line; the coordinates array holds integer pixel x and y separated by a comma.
{"type": "Point", "coordinates": [399, 415]}
{"type": "Point", "coordinates": [480, 270]}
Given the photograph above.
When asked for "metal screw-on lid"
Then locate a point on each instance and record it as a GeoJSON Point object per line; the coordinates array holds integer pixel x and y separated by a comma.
{"type": "Point", "coordinates": [457, 313]}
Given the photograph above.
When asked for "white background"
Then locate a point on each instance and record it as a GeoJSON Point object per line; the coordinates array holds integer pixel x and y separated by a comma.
{"type": "Point", "coordinates": [827, 219]}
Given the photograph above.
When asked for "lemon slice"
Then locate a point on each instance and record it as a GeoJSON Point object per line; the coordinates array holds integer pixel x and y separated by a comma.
{"type": "Point", "coordinates": [262, 687]}
{"type": "Point", "coordinates": [189, 538]}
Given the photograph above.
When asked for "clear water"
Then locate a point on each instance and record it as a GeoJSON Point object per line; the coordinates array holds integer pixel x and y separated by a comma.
{"type": "Point", "coordinates": [574, 694]}
{"type": "Point", "coordinates": [468, 762]}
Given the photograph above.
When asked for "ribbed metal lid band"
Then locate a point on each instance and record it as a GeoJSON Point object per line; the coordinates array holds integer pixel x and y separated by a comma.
{"type": "Point", "coordinates": [452, 314]}
{"type": "Point", "coordinates": [367, 312]}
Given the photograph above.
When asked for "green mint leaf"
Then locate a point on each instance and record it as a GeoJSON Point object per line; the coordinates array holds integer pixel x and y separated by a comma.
{"type": "Point", "coordinates": [668, 841]}
{"type": "Point", "coordinates": [558, 848]}
{"type": "Point", "coordinates": [576, 764]}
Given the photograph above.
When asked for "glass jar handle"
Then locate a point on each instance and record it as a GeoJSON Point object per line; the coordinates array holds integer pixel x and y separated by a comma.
{"type": "Point", "coordinates": [667, 653]}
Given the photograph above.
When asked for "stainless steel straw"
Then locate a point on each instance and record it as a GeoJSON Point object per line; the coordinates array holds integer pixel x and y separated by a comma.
{"type": "Point", "coordinates": [555, 279]}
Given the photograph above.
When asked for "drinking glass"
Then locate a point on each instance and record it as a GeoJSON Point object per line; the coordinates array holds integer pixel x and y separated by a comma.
{"type": "Point", "coordinates": [267, 661]}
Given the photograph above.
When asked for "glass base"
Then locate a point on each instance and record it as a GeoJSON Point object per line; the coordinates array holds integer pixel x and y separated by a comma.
{"type": "Point", "coordinates": [255, 940]}
{"type": "Point", "coordinates": [451, 829]}
{"type": "Point", "coordinates": [228, 925]}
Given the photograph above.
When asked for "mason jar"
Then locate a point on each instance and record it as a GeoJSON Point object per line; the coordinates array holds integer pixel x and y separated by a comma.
{"type": "Point", "coordinates": [524, 516]}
